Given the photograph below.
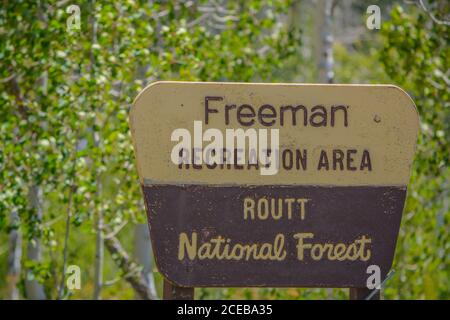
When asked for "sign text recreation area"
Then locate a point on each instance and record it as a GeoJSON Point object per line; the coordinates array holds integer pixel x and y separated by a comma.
{"type": "Point", "coordinates": [280, 185]}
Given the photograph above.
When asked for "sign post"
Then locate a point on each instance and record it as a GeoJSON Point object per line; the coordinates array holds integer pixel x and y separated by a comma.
{"type": "Point", "coordinates": [362, 294]}
{"type": "Point", "coordinates": [174, 292]}
{"type": "Point", "coordinates": [273, 185]}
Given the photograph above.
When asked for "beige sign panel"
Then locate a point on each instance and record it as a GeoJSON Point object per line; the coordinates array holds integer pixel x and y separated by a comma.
{"type": "Point", "coordinates": [273, 185]}
{"type": "Point", "coordinates": [328, 135]}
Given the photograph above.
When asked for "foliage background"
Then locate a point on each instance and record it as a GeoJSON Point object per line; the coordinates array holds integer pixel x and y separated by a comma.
{"type": "Point", "coordinates": [68, 184]}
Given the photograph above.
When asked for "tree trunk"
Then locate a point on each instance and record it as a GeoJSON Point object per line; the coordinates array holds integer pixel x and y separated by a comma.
{"type": "Point", "coordinates": [144, 255]}
{"type": "Point", "coordinates": [99, 255]}
{"type": "Point", "coordinates": [324, 45]}
{"type": "Point", "coordinates": [99, 223]}
{"type": "Point", "coordinates": [129, 268]}
{"type": "Point", "coordinates": [34, 289]}
{"type": "Point", "coordinates": [14, 258]}
{"type": "Point", "coordinates": [324, 50]}
{"type": "Point", "coordinates": [99, 240]}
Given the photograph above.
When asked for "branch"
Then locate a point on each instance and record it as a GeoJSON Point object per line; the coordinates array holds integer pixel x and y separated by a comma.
{"type": "Point", "coordinates": [128, 267]}
{"type": "Point", "coordinates": [422, 5]}
{"type": "Point", "coordinates": [133, 272]}
{"type": "Point", "coordinates": [432, 16]}
{"type": "Point", "coordinates": [197, 21]}
{"type": "Point", "coordinates": [15, 91]}
{"type": "Point", "coordinates": [116, 230]}
{"type": "Point", "coordinates": [53, 221]}
{"type": "Point", "coordinates": [72, 190]}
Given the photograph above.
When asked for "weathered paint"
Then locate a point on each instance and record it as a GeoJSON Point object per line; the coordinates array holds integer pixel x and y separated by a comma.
{"type": "Point", "coordinates": [381, 119]}
{"type": "Point", "coordinates": [333, 215]}
{"type": "Point", "coordinates": [341, 206]}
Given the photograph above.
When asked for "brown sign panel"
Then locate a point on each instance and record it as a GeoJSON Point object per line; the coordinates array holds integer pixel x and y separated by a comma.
{"type": "Point", "coordinates": [314, 208]}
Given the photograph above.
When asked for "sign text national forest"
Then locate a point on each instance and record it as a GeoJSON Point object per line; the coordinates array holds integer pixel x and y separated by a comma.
{"type": "Point", "coordinates": [280, 185]}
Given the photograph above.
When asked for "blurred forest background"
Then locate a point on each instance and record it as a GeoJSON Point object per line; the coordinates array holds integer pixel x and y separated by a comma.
{"type": "Point", "coordinates": [69, 191]}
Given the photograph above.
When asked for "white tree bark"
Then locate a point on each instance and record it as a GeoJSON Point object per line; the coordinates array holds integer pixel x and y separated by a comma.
{"type": "Point", "coordinates": [14, 258]}
{"type": "Point", "coordinates": [99, 257]}
{"type": "Point", "coordinates": [34, 289]}
{"type": "Point", "coordinates": [99, 219]}
{"type": "Point", "coordinates": [324, 45]}
{"type": "Point", "coordinates": [324, 50]}
{"type": "Point", "coordinates": [99, 242]}
{"type": "Point", "coordinates": [144, 256]}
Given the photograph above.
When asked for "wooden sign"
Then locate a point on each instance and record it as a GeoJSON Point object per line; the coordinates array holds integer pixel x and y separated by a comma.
{"type": "Point", "coordinates": [278, 185]}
